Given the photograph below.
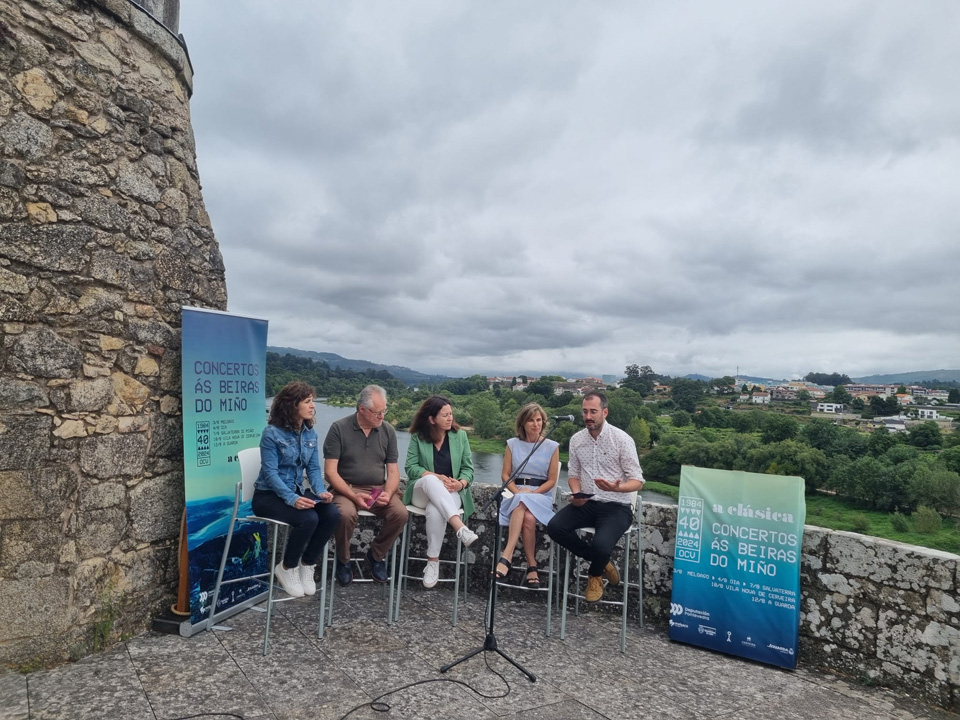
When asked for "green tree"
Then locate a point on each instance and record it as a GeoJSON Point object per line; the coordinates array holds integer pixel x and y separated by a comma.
{"type": "Point", "coordinates": [850, 442]}
{"type": "Point", "coordinates": [712, 417]}
{"type": "Point", "coordinates": [486, 416]}
{"type": "Point", "coordinates": [558, 401]}
{"type": "Point", "coordinates": [640, 432]}
{"type": "Point", "coordinates": [871, 481]}
{"type": "Point", "coordinates": [840, 395]}
{"type": "Point", "coordinates": [880, 441]}
{"type": "Point", "coordinates": [803, 395]}
{"type": "Point", "coordinates": [884, 406]}
{"type": "Point", "coordinates": [541, 387]}
{"type": "Point", "coordinates": [746, 421]}
{"type": "Point", "coordinates": [900, 454]}
{"type": "Point", "coordinates": [680, 418]}
{"type": "Point", "coordinates": [951, 458]}
{"type": "Point", "coordinates": [778, 427]}
{"type": "Point", "coordinates": [661, 464]}
{"type": "Point", "coordinates": [827, 378]}
{"type": "Point", "coordinates": [953, 396]}
{"type": "Point", "coordinates": [937, 488]}
{"type": "Point", "coordinates": [465, 386]}
{"type": "Point", "coordinates": [639, 379]}
{"type": "Point", "coordinates": [624, 406]}
{"type": "Point", "coordinates": [686, 393]}
{"type": "Point", "coordinates": [925, 435]}
{"type": "Point", "coordinates": [788, 457]}
{"type": "Point", "coordinates": [821, 434]}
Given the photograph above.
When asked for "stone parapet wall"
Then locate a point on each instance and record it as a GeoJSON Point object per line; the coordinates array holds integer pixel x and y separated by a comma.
{"type": "Point", "coordinates": [881, 611]}
{"type": "Point", "coordinates": [103, 237]}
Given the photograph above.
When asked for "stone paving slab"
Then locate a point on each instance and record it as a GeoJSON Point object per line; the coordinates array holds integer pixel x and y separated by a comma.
{"type": "Point", "coordinates": [361, 658]}
{"type": "Point", "coordinates": [13, 697]}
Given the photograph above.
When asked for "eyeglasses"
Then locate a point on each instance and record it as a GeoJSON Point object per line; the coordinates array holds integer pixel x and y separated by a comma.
{"type": "Point", "coordinates": [376, 413]}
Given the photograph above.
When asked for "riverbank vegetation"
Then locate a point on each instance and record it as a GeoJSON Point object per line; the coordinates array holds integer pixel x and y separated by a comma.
{"type": "Point", "coordinates": [902, 486]}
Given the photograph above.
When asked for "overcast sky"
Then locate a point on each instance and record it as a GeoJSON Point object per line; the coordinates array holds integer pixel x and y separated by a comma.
{"type": "Point", "coordinates": [536, 186]}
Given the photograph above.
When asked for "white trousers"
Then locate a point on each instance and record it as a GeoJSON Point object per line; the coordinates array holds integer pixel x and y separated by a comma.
{"type": "Point", "coordinates": [430, 494]}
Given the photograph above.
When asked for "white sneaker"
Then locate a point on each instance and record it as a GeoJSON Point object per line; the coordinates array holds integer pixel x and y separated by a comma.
{"type": "Point", "coordinates": [289, 580]}
{"type": "Point", "coordinates": [306, 579]}
{"type": "Point", "coordinates": [467, 536]}
{"type": "Point", "coordinates": [431, 573]}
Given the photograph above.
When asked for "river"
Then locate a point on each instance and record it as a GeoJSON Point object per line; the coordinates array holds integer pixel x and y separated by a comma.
{"type": "Point", "coordinates": [486, 466]}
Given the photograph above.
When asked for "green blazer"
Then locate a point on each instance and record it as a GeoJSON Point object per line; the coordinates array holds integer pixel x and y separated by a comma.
{"type": "Point", "coordinates": [420, 461]}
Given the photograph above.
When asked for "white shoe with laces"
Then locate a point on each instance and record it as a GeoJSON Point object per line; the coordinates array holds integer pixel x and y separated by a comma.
{"type": "Point", "coordinates": [306, 579]}
{"type": "Point", "coordinates": [431, 573]}
{"type": "Point", "coordinates": [467, 536]}
{"type": "Point", "coordinates": [289, 580]}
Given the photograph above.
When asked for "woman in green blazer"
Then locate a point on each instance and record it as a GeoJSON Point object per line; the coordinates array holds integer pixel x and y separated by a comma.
{"type": "Point", "coordinates": [439, 472]}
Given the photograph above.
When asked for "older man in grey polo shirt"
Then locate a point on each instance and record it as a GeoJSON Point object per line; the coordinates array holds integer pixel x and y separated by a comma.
{"type": "Point", "coordinates": [360, 463]}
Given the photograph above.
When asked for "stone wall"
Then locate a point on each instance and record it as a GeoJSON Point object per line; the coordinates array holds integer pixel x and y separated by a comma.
{"type": "Point", "coordinates": [103, 237]}
{"type": "Point", "coordinates": [881, 611]}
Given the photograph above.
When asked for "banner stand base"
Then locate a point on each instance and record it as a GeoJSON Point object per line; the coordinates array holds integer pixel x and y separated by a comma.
{"type": "Point", "coordinates": [168, 623]}
{"type": "Point", "coordinates": [178, 625]}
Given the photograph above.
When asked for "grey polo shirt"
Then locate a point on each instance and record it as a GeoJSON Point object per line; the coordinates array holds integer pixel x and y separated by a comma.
{"type": "Point", "coordinates": [361, 459]}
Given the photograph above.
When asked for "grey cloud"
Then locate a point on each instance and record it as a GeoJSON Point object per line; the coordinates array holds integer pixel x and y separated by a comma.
{"type": "Point", "coordinates": [585, 186]}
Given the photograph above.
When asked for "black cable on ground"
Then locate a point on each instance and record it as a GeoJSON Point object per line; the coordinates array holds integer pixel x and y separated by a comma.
{"type": "Point", "coordinates": [378, 706]}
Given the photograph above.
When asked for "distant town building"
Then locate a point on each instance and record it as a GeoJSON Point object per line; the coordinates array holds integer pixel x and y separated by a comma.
{"type": "Point", "coordinates": [828, 407]}
{"type": "Point", "coordinates": [894, 423]}
{"type": "Point", "coordinates": [782, 392]}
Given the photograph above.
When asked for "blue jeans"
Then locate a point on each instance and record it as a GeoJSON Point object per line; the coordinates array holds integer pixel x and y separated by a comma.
{"type": "Point", "coordinates": [309, 529]}
{"type": "Point", "coordinates": [609, 519]}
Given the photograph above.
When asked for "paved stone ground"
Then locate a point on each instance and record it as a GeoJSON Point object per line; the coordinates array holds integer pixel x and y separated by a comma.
{"type": "Point", "coordinates": [163, 677]}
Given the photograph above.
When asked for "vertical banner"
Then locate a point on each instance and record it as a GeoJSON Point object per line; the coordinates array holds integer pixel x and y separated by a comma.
{"type": "Point", "coordinates": [736, 566]}
{"type": "Point", "coordinates": [224, 374]}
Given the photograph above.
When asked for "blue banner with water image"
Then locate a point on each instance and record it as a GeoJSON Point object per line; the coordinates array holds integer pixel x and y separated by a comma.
{"type": "Point", "coordinates": [224, 376]}
{"type": "Point", "coordinates": [736, 565]}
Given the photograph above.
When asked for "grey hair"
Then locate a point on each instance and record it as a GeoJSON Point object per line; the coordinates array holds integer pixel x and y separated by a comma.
{"type": "Point", "coordinates": [367, 393]}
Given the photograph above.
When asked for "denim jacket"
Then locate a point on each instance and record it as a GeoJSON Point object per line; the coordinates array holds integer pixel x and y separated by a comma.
{"type": "Point", "coordinates": [284, 455]}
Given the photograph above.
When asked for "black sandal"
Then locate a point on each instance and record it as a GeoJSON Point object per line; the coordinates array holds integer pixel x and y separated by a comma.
{"type": "Point", "coordinates": [532, 583]}
{"type": "Point", "coordinates": [507, 564]}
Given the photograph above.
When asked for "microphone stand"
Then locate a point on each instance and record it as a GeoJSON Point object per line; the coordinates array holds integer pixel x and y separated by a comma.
{"type": "Point", "coordinates": [490, 641]}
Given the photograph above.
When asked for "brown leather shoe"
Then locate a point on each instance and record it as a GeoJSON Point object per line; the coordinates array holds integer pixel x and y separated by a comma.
{"type": "Point", "coordinates": [611, 574]}
{"type": "Point", "coordinates": [594, 589]}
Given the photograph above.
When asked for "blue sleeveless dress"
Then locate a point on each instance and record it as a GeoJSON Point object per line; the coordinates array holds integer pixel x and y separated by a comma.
{"type": "Point", "coordinates": [540, 504]}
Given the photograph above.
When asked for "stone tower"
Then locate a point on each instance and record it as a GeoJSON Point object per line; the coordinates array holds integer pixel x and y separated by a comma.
{"type": "Point", "coordinates": [103, 237]}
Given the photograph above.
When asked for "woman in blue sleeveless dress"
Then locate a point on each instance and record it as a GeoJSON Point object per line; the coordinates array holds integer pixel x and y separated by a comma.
{"type": "Point", "coordinates": [532, 499]}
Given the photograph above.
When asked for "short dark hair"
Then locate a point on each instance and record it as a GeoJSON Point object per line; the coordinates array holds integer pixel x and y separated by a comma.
{"type": "Point", "coordinates": [600, 396]}
{"type": "Point", "coordinates": [429, 408]}
{"type": "Point", "coordinates": [283, 409]}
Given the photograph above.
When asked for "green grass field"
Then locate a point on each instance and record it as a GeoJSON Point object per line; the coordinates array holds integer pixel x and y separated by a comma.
{"type": "Point", "coordinates": [487, 445]}
{"type": "Point", "coordinates": [839, 514]}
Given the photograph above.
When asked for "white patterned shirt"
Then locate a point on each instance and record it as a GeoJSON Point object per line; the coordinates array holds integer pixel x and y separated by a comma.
{"type": "Point", "coordinates": [612, 456]}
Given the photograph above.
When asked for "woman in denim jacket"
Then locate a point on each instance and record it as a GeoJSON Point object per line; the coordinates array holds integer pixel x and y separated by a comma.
{"type": "Point", "coordinates": [288, 448]}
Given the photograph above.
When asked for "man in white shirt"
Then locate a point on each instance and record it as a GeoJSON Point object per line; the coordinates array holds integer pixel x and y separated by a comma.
{"type": "Point", "coordinates": [604, 465]}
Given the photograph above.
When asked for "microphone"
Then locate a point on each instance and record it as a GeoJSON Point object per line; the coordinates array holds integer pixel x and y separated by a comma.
{"type": "Point", "coordinates": [561, 418]}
